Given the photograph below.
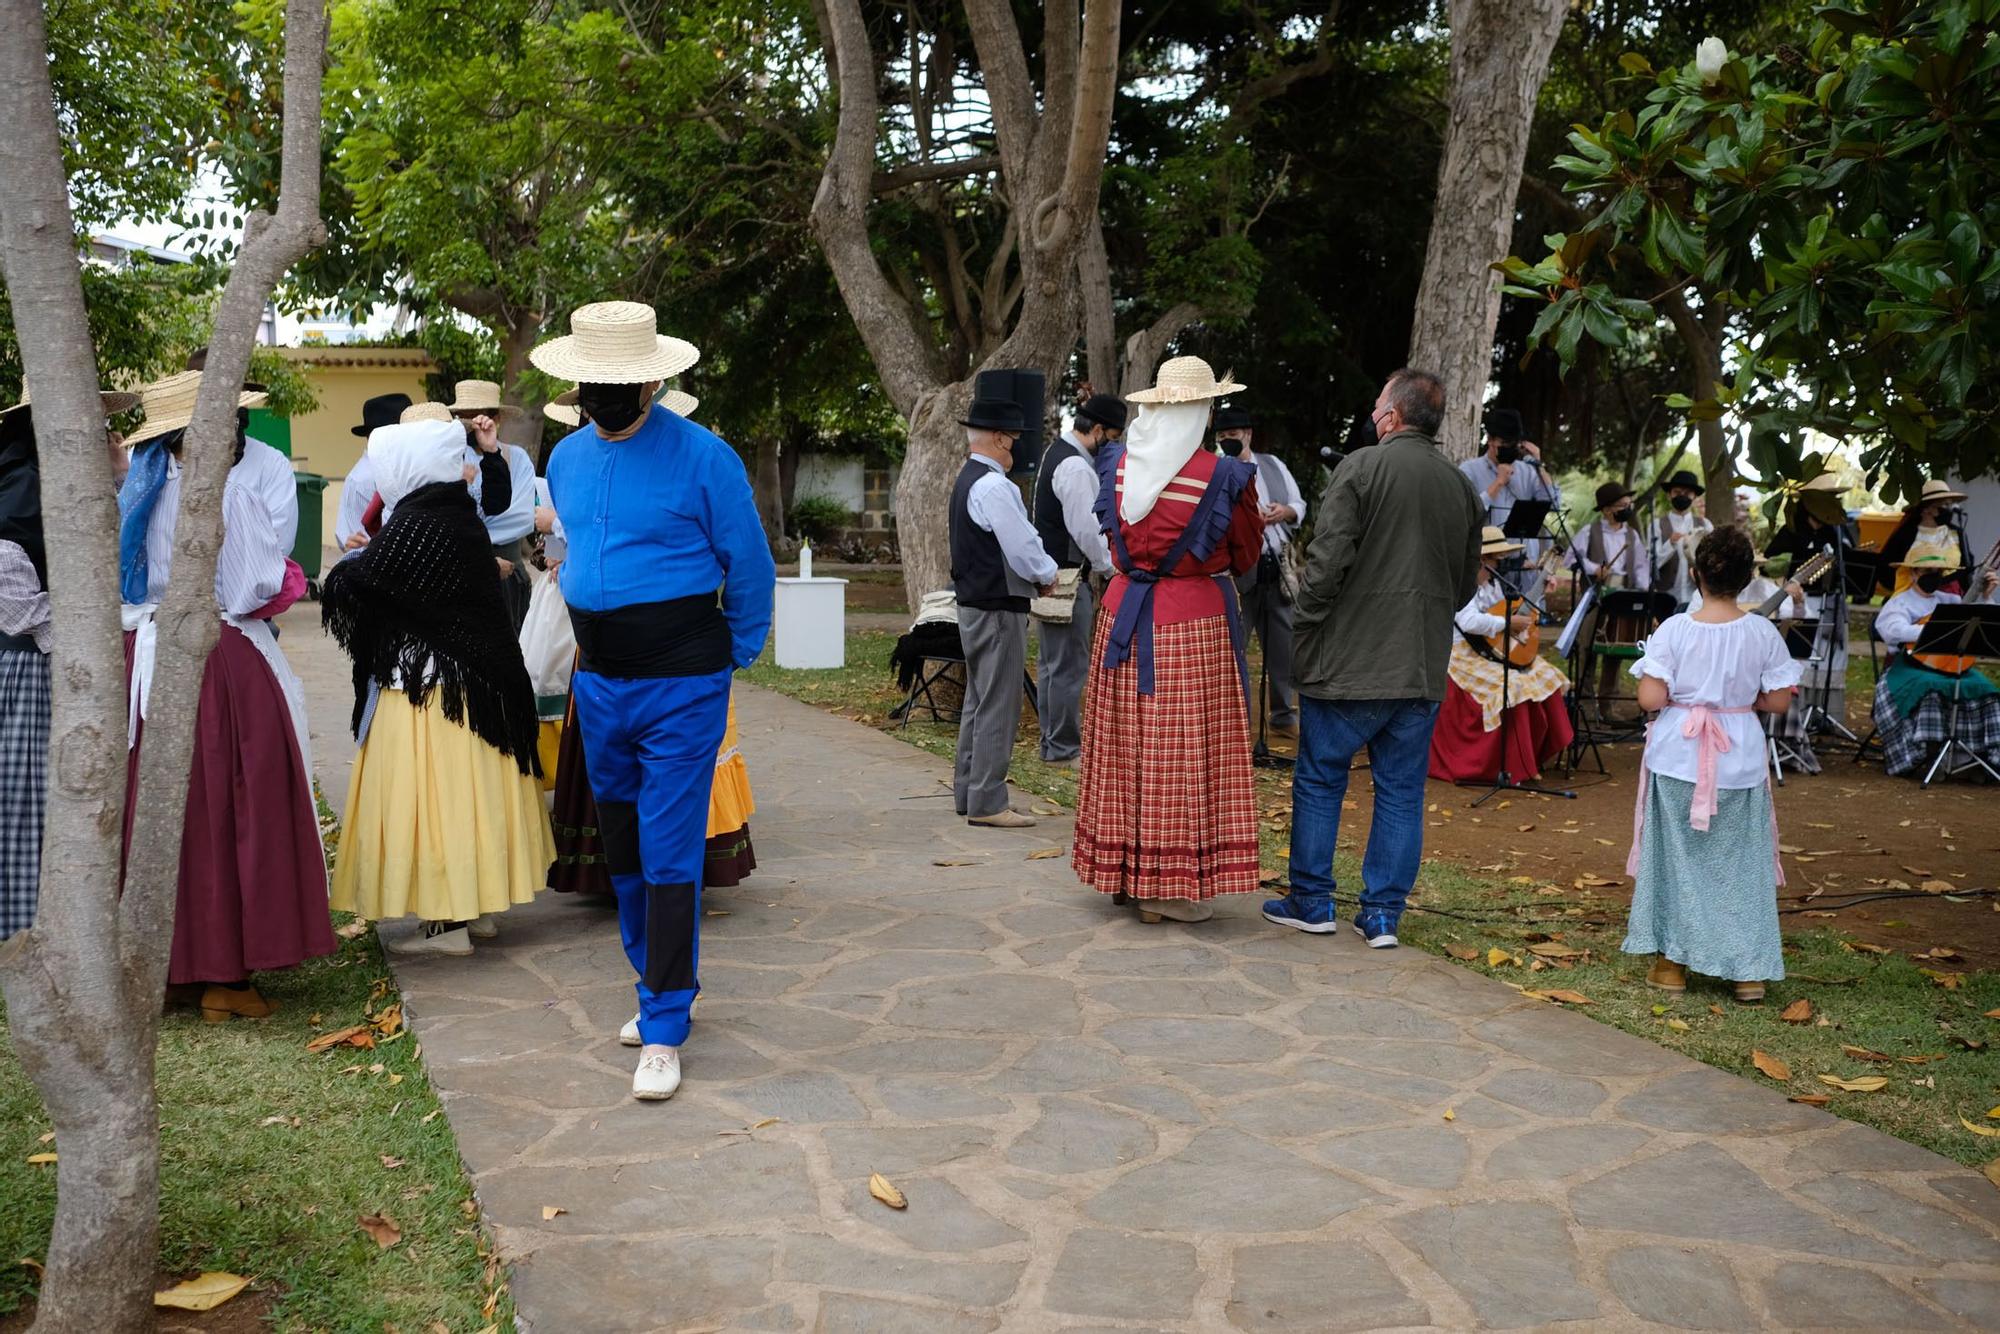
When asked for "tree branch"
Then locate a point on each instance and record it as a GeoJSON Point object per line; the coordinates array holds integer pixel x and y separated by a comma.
{"type": "Point", "coordinates": [918, 173]}
{"type": "Point", "coordinates": [1090, 129]}
{"type": "Point", "coordinates": [1144, 349]}
{"type": "Point", "coordinates": [1003, 65]}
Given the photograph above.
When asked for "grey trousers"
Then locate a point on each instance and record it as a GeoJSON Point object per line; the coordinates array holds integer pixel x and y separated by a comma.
{"type": "Point", "coordinates": [1064, 665]}
{"type": "Point", "coordinates": [996, 652]}
{"type": "Point", "coordinates": [1265, 608]}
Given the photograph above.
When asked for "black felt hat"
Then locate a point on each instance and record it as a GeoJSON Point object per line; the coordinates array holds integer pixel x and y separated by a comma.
{"type": "Point", "coordinates": [1683, 478]}
{"type": "Point", "coordinates": [1104, 409]}
{"type": "Point", "coordinates": [381, 410]}
{"type": "Point", "coordinates": [1505, 423]}
{"type": "Point", "coordinates": [995, 414]}
{"type": "Point", "coordinates": [1611, 493]}
{"type": "Point", "coordinates": [1233, 418]}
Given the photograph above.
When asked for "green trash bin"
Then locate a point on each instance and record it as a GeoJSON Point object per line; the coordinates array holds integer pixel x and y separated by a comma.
{"type": "Point", "coordinates": [307, 549]}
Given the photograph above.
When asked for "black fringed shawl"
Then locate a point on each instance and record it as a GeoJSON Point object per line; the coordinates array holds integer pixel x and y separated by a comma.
{"type": "Point", "coordinates": [422, 601]}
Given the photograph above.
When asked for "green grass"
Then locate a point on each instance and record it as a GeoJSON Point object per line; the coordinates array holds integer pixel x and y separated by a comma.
{"type": "Point", "coordinates": [279, 1202]}
{"type": "Point", "coordinates": [1880, 1003]}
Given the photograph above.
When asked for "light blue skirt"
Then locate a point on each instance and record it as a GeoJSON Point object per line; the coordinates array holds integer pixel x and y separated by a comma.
{"type": "Point", "coordinates": [1708, 900]}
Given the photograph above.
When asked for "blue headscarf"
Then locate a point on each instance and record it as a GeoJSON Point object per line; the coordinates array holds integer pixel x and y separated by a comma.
{"type": "Point", "coordinates": [137, 499]}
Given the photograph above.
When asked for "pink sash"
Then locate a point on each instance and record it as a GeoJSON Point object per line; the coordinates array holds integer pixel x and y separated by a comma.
{"type": "Point", "coordinates": [1704, 724]}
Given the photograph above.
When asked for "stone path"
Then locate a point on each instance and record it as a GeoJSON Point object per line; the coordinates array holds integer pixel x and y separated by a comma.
{"type": "Point", "coordinates": [1104, 1125]}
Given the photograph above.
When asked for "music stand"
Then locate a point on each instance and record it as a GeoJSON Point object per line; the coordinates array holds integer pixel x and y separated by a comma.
{"type": "Point", "coordinates": [1961, 629]}
{"type": "Point", "coordinates": [1569, 644]}
{"type": "Point", "coordinates": [1503, 780]}
{"type": "Point", "coordinates": [1526, 521]}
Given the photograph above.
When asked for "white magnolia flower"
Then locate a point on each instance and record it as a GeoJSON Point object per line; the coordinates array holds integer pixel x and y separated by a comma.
{"type": "Point", "coordinates": [1709, 58]}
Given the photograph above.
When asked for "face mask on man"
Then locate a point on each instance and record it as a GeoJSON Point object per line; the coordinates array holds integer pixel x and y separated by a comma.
{"type": "Point", "coordinates": [1622, 514]}
{"type": "Point", "coordinates": [1230, 445]}
{"type": "Point", "coordinates": [1683, 503]}
{"type": "Point", "coordinates": [612, 407]}
{"type": "Point", "coordinates": [1931, 580]}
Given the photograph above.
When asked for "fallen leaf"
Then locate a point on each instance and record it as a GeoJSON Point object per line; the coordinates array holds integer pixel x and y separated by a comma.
{"type": "Point", "coordinates": [767, 1121]}
{"type": "Point", "coordinates": [1596, 882]}
{"type": "Point", "coordinates": [1937, 887]}
{"type": "Point", "coordinates": [1863, 1054]}
{"type": "Point", "coordinates": [39, 1158]}
{"type": "Point", "coordinates": [1463, 953]}
{"type": "Point", "coordinates": [1044, 854]}
{"type": "Point", "coordinates": [1810, 1099]}
{"type": "Point", "coordinates": [880, 1187]}
{"type": "Point", "coordinates": [47, 1137]}
{"type": "Point", "coordinates": [550, 1211]}
{"type": "Point", "coordinates": [1564, 997]}
{"type": "Point", "coordinates": [469, 1208]}
{"type": "Point", "coordinates": [1770, 1066]}
{"type": "Point", "coordinates": [204, 1292]}
{"type": "Point", "coordinates": [1524, 829]}
{"type": "Point", "coordinates": [390, 1021]}
{"type": "Point", "coordinates": [1942, 953]}
{"type": "Point", "coordinates": [381, 1227]}
{"type": "Point", "coordinates": [1970, 1044]}
{"type": "Point", "coordinates": [953, 861]}
{"type": "Point", "coordinates": [1949, 981]}
{"type": "Point", "coordinates": [291, 1121]}
{"type": "Point", "coordinates": [1865, 1084]}
{"type": "Point", "coordinates": [1450, 1115]}
{"type": "Point", "coordinates": [1989, 1131]}
{"type": "Point", "coordinates": [1798, 1012]}
{"type": "Point", "coordinates": [356, 1036]}
{"type": "Point", "coordinates": [1678, 1025]}
{"type": "Point", "coordinates": [1863, 947]}
{"type": "Point", "coordinates": [432, 1115]}
{"type": "Point", "coordinates": [392, 1164]}
{"type": "Point", "coordinates": [1550, 949]}
{"type": "Point", "coordinates": [1918, 872]}
{"type": "Point", "coordinates": [1992, 1171]}
{"type": "Point", "coordinates": [1789, 848]}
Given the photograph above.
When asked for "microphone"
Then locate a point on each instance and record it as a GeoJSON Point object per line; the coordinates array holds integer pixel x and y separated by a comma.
{"type": "Point", "coordinates": [1329, 455]}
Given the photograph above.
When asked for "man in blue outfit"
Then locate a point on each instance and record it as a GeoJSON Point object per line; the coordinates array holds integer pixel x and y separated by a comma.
{"type": "Point", "coordinates": [669, 585]}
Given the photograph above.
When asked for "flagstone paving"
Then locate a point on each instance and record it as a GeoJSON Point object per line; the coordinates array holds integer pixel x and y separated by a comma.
{"type": "Point", "coordinates": [1105, 1125]}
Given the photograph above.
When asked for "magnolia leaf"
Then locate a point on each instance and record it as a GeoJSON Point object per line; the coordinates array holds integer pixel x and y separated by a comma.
{"type": "Point", "coordinates": [1463, 953]}
{"type": "Point", "coordinates": [1992, 1171]}
{"type": "Point", "coordinates": [1863, 947]}
{"type": "Point", "coordinates": [355, 1036]}
{"type": "Point", "coordinates": [1865, 1084]}
{"type": "Point", "coordinates": [1863, 1054]}
{"type": "Point", "coordinates": [767, 1121]}
{"type": "Point", "coordinates": [41, 1158]}
{"type": "Point", "coordinates": [879, 1186]}
{"type": "Point", "coordinates": [204, 1292]}
{"type": "Point", "coordinates": [1563, 997]}
{"type": "Point", "coordinates": [1678, 1025]}
{"type": "Point", "coordinates": [390, 1163]}
{"type": "Point", "coordinates": [1496, 956]}
{"type": "Point", "coordinates": [1991, 1132]}
{"type": "Point", "coordinates": [1937, 887]}
{"type": "Point", "coordinates": [354, 930]}
{"type": "Point", "coordinates": [1450, 1114]}
{"type": "Point", "coordinates": [1770, 1066]}
{"type": "Point", "coordinates": [1044, 854]}
{"type": "Point", "coordinates": [382, 1228]}
{"type": "Point", "coordinates": [1550, 949]}
{"type": "Point", "coordinates": [550, 1212]}
{"type": "Point", "coordinates": [1810, 1099]}
{"type": "Point", "coordinates": [1798, 1012]}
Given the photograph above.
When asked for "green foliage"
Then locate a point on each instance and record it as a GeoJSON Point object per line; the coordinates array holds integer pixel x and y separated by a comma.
{"type": "Point", "coordinates": [1842, 200]}
{"type": "Point", "coordinates": [817, 518]}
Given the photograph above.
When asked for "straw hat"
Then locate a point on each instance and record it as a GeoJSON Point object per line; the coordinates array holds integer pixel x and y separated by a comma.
{"type": "Point", "coordinates": [424, 412]}
{"type": "Point", "coordinates": [1185, 380]}
{"type": "Point", "coordinates": [1493, 542]}
{"type": "Point", "coordinates": [614, 342]}
{"type": "Point", "coordinates": [1930, 560]}
{"type": "Point", "coordinates": [115, 402]}
{"type": "Point", "coordinates": [169, 405]}
{"type": "Point", "coordinates": [563, 407]}
{"type": "Point", "coordinates": [1937, 490]}
{"type": "Point", "coordinates": [473, 398]}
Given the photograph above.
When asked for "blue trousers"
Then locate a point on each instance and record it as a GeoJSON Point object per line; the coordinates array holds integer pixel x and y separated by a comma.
{"type": "Point", "coordinates": [650, 747]}
{"type": "Point", "coordinates": [1397, 734]}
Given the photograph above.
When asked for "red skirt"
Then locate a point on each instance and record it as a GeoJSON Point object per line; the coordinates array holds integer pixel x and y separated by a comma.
{"type": "Point", "coordinates": [252, 886]}
{"type": "Point", "coordinates": [1166, 808]}
{"type": "Point", "coordinates": [1463, 751]}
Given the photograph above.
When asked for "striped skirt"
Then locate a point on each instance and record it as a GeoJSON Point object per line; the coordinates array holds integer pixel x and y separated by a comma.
{"type": "Point", "coordinates": [24, 765]}
{"type": "Point", "coordinates": [1166, 808]}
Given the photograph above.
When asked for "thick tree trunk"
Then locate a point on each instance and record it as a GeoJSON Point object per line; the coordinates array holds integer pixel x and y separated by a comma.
{"type": "Point", "coordinates": [923, 492]}
{"type": "Point", "coordinates": [767, 485]}
{"type": "Point", "coordinates": [1499, 56]}
{"type": "Point", "coordinates": [518, 335]}
{"type": "Point", "coordinates": [83, 985]}
{"type": "Point", "coordinates": [1718, 458]}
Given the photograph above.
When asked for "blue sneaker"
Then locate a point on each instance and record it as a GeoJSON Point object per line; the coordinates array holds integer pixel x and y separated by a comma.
{"type": "Point", "coordinates": [1313, 915]}
{"type": "Point", "coordinates": [1376, 927]}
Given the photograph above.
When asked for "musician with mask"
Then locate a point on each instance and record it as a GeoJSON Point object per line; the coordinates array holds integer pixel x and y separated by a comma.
{"type": "Point", "coordinates": [1267, 608]}
{"type": "Point", "coordinates": [1610, 553]}
{"type": "Point", "coordinates": [1931, 526]}
{"type": "Point", "coordinates": [1676, 533]}
{"type": "Point", "coordinates": [1506, 473]}
{"type": "Point", "coordinates": [1913, 701]}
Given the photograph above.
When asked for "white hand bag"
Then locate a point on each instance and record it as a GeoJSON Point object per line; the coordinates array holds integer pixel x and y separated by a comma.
{"type": "Point", "coordinates": [548, 645]}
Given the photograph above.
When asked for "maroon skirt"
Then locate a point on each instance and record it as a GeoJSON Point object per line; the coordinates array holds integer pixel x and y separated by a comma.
{"type": "Point", "coordinates": [580, 867]}
{"type": "Point", "coordinates": [252, 885]}
{"type": "Point", "coordinates": [1463, 751]}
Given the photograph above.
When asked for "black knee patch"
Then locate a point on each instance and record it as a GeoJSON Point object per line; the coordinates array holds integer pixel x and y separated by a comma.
{"type": "Point", "coordinates": [670, 937]}
{"type": "Point", "coordinates": [618, 825]}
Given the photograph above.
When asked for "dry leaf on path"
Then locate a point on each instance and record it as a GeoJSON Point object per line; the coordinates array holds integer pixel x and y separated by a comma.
{"type": "Point", "coordinates": [550, 1212]}
{"type": "Point", "coordinates": [879, 1186]}
{"type": "Point", "coordinates": [1992, 1171]}
{"type": "Point", "coordinates": [1770, 1066]}
{"type": "Point", "coordinates": [1550, 949]}
{"type": "Point", "coordinates": [204, 1292]}
{"type": "Point", "coordinates": [1798, 1012]}
{"type": "Point", "coordinates": [1990, 1132]}
{"type": "Point", "coordinates": [1496, 956]}
{"type": "Point", "coordinates": [1563, 997]}
{"type": "Point", "coordinates": [1463, 953]}
{"type": "Point", "coordinates": [356, 1036]}
{"type": "Point", "coordinates": [1450, 1114]}
{"type": "Point", "coordinates": [1044, 854]}
{"type": "Point", "coordinates": [1678, 1025]}
{"type": "Point", "coordinates": [1810, 1099]}
{"type": "Point", "coordinates": [1865, 1084]}
{"type": "Point", "coordinates": [953, 861]}
{"type": "Point", "coordinates": [1937, 887]}
{"type": "Point", "coordinates": [1863, 1054]}
{"type": "Point", "coordinates": [382, 1228]}
{"type": "Point", "coordinates": [39, 1158]}
{"type": "Point", "coordinates": [1863, 947]}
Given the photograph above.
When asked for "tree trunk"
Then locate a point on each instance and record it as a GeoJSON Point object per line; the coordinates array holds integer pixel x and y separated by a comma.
{"type": "Point", "coordinates": [518, 335]}
{"type": "Point", "coordinates": [1499, 56]}
{"type": "Point", "coordinates": [83, 985]}
{"type": "Point", "coordinates": [1718, 458]}
{"type": "Point", "coordinates": [767, 485]}
{"type": "Point", "coordinates": [923, 492]}
{"type": "Point", "coordinates": [1100, 326]}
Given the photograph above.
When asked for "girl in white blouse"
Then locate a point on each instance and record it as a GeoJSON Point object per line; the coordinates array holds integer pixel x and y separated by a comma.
{"type": "Point", "coordinates": [1705, 845]}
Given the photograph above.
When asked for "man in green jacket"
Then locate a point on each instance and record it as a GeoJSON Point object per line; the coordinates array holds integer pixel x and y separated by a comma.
{"type": "Point", "coordinates": [1396, 553]}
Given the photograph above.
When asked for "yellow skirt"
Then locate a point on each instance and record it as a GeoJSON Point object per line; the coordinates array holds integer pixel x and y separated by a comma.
{"type": "Point", "coordinates": [439, 824]}
{"type": "Point", "coordinates": [730, 804]}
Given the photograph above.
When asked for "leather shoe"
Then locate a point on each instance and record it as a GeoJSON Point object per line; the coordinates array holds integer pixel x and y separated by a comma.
{"type": "Point", "coordinates": [1004, 819]}
{"type": "Point", "coordinates": [221, 1004]}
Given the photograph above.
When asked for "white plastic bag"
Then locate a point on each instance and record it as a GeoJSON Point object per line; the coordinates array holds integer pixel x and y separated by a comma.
{"type": "Point", "coordinates": [548, 645]}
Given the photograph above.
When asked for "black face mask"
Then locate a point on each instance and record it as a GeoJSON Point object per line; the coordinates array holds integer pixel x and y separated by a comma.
{"type": "Point", "coordinates": [1623, 515]}
{"type": "Point", "coordinates": [1683, 503]}
{"type": "Point", "coordinates": [612, 407]}
{"type": "Point", "coordinates": [1232, 447]}
{"type": "Point", "coordinates": [1507, 453]}
{"type": "Point", "coordinates": [1931, 580]}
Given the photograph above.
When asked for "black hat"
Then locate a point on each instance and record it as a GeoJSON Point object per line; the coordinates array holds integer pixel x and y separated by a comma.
{"type": "Point", "coordinates": [1104, 409]}
{"type": "Point", "coordinates": [381, 410]}
{"type": "Point", "coordinates": [1611, 493]}
{"type": "Point", "coordinates": [995, 414]}
{"type": "Point", "coordinates": [1233, 418]}
{"type": "Point", "coordinates": [1505, 423]}
{"type": "Point", "coordinates": [1683, 478]}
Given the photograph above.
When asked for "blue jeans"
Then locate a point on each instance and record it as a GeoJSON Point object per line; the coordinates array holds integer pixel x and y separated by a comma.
{"type": "Point", "coordinates": [1397, 733]}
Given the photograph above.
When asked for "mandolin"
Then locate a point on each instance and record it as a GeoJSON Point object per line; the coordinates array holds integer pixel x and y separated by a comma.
{"type": "Point", "coordinates": [1519, 648]}
{"type": "Point", "coordinates": [1806, 576]}
{"type": "Point", "coordinates": [1953, 664]}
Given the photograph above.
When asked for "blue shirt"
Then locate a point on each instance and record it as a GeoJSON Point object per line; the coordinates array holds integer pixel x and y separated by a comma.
{"type": "Point", "coordinates": [666, 514]}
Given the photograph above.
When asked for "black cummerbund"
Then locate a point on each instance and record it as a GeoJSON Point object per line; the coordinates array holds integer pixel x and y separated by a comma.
{"type": "Point", "coordinates": [679, 637]}
{"type": "Point", "coordinates": [19, 644]}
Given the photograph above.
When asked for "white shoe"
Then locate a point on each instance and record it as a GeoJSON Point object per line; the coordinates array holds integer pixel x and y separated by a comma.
{"type": "Point", "coordinates": [483, 927]}
{"type": "Point", "coordinates": [658, 1075]}
{"type": "Point", "coordinates": [434, 939]}
{"type": "Point", "coordinates": [628, 1036]}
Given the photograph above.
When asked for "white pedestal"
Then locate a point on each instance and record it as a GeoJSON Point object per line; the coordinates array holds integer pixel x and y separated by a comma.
{"type": "Point", "coordinates": [809, 623]}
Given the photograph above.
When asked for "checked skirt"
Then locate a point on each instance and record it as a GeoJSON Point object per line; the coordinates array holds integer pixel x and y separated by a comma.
{"type": "Point", "coordinates": [1909, 744]}
{"type": "Point", "coordinates": [24, 762]}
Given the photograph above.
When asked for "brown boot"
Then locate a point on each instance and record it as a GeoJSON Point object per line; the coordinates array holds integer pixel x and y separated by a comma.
{"type": "Point", "coordinates": [1750, 993]}
{"type": "Point", "coordinates": [1667, 975]}
{"type": "Point", "coordinates": [221, 1004]}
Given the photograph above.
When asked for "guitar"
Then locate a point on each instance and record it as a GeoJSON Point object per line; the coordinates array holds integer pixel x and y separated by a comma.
{"type": "Point", "coordinates": [1954, 664]}
{"type": "Point", "coordinates": [1519, 648]}
{"type": "Point", "coordinates": [1806, 576]}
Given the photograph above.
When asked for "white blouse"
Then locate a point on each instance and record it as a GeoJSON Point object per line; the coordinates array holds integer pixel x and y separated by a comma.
{"type": "Point", "coordinates": [1724, 664]}
{"type": "Point", "coordinates": [1474, 618]}
{"type": "Point", "coordinates": [1898, 623]}
{"type": "Point", "coordinates": [250, 569]}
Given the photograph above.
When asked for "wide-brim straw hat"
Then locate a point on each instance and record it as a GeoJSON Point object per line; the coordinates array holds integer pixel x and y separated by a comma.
{"type": "Point", "coordinates": [562, 408]}
{"type": "Point", "coordinates": [1936, 490]}
{"type": "Point", "coordinates": [169, 405]}
{"type": "Point", "coordinates": [425, 412]}
{"type": "Point", "coordinates": [1493, 542]}
{"type": "Point", "coordinates": [472, 398]}
{"type": "Point", "coordinates": [115, 401]}
{"type": "Point", "coordinates": [1930, 560]}
{"type": "Point", "coordinates": [1185, 380]}
{"type": "Point", "coordinates": [614, 342]}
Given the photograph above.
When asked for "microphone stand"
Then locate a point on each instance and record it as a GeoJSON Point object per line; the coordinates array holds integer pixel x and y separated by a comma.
{"type": "Point", "coordinates": [1503, 778]}
{"type": "Point", "coordinates": [1261, 754]}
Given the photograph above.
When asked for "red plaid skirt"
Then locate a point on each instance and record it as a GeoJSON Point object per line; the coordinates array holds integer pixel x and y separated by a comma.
{"type": "Point", "coordinates": [1166, 808]}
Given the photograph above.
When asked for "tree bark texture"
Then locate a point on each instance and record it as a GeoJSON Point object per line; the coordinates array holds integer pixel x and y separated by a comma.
{"type": "Point", "coordinates": [1499, 56]}
{"type": "Point", "coordinates": [83, 986]}
{"type": "Point", "coordinates": [1701, 333]}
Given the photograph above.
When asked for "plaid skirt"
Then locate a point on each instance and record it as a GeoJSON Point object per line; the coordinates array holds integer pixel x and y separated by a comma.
{"type": "Point", "coordinates": [1910, 742]}
{"type": "Point", "coordinates": [1166, 808]}
{"type": "Point", "coordinates": [24, 765]}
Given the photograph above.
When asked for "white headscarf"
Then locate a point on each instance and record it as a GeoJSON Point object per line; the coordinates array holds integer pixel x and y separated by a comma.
{"type": "Point", "coordinates": [1158, 444]}
{"type": "Point", "coordinates": [415, 454]}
